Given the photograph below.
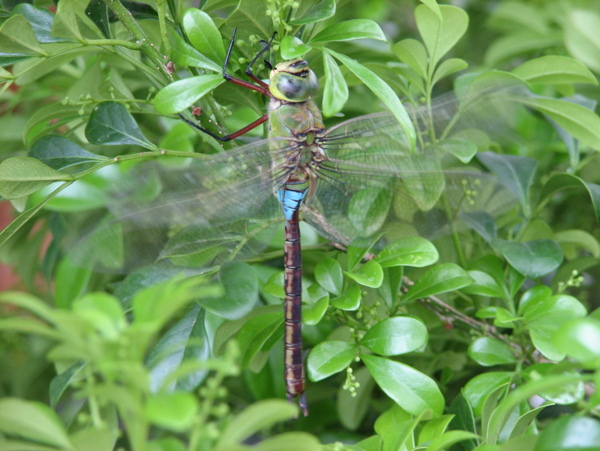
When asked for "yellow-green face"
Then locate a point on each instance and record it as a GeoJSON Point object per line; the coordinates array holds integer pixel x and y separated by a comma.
{"type": "Point", "coordinates": [293, 81]}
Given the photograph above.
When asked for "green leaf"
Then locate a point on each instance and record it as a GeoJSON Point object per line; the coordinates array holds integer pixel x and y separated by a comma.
{"type": "Point", "coordinates": [203, 34]}
{"type": "Point", "coordinates": [20, 176]}
{"type": "Point", "coordinates": [178, 96]}
{"type": "Point", "coordinates": [517, 173]}
{"type": "Point", "coordinates": [564, 181]}
{"type": "Point", "coordinates": [348, 31]}
{"type": "Point", "coordinates": [570, 432]}
{"type": "Point", "coordinates": [489, 352]}
{"type": "Point", "coordinates": [328, 358]}
{"type": "Point", "coordinates": [240, 284]}
{"type": "Point", "coordinates": [312, 314]}
{"type": "Point", "coordinates": [478, 388]}
{"type": "Point", "coordinates": [186, 55]}
{"type": "Point", "coordinates": [368, 209]}
{"type": "Point", "coordinates": [9, 231]}
{"type": "Point", "coordinates": [533, 259]}
{"type": "Point", "coordinates": [578, 239]}
{"type": "Point", "coordinates": [62, 381]}
{"type": "Point", "coordinates": [413, 53]}
{"type": "Point", "coordinates": [580, 339]}
{"type": "Point", "coordinates": [410, 251]}
{"type": "Point", "coordinates": [448, 67]}
{"type": "Point", "coordinates": [59, 152]}
{"type": "Point", "coordinates": [370, 274]}
{"type": "Point", "coordinates": [395, 336]}
{"type": "Point", "coordinates": [253, 419]}
{"type": "Point", "coordinates": [383, 92]}
{"type": "Point", "coordinates": [439, 279]}
{"type": "Point", "coordinates": [48, 118]}
{"type": "Point", "coordinates": [292, 47]}
{"type": "Point", "coordinates": [440, 34]}
{"type": "Point", "coordinates": [70, 283]}
{"type": "Point", "coordinates": [335, 92]}
{"type": "Point", "coordinates": [257, 336]}
{"type": "Point", "coordinates": [576, 119]}
{"type": "Point", "coordinates": [34, 422]}
{"type": "Point", "coordinates": [349, 300]}
{"type": "Point", "coordinates": [72, 22]}
{"type": "Point", "coordinates": [449, 438]}
{"type": "Point", "coordinates": [581, 38]}
{"type": "Point", "coordinates": [312, 12]}
{"type": "Point", "coordinates": [554, 70]}
{"type": "Point", "coordinates": [410, 389]}
{"type": "Point", "coordinates": [174, 411]}
{"type": "Point", "coordinates": [17, 38]}
{"type": "Point", "coordinates": [40, 20]}
{"type": "Point", "coordinates": [328, 273]}
{"type": "Point", "coordinates": [352, 407]}
{"type": "Point", "coordinates": [484, 285]}
{"type": "Point", "coordinates": [302, 441]}
{"type": "Point", "coordinates": [462, 148]}
{"type": "Point", "coordinates": [111, 124]}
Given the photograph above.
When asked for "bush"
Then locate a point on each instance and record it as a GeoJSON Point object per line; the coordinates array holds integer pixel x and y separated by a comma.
{"type": "Point", "coordinates": [445, 237]}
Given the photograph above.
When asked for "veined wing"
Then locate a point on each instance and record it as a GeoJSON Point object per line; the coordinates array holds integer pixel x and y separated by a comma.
{"type": "Point", "coordinates": [373, 183]}
{"type": "Point", "coordinates": [190, 210]}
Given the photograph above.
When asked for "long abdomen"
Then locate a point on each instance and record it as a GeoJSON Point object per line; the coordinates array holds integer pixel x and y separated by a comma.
{"type": "Point", "coordinates": [294, 367]}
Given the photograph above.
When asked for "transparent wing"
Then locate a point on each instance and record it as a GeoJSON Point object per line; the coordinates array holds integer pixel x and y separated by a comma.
{"type": "Point", "coordinates": [190, 210]}
{"type": "Point", "coordinates": [375, 184]}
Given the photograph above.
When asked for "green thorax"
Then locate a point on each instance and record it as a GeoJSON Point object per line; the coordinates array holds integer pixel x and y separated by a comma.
{"type": "Point", "coordinates": [292, 111]}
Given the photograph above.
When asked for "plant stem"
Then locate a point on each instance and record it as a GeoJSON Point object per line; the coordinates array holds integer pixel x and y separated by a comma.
{"type": "Point", "coordinates": [149, 49]}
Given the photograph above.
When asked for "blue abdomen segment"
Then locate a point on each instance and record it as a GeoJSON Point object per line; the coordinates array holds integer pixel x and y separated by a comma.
{"type": "Point", "coordinates": [290, 201]}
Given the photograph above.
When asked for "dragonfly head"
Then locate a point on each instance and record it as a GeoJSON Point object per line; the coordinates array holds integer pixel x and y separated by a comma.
{"type": "Point", "coordinates": [293, 81]}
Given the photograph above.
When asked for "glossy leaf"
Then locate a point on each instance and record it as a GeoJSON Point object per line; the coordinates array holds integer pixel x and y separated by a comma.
{"type": "Point", "coordinates": [554, 70]}
{"type": "Point", "coordinates": [410, 389]}
{"type": "Point", "coordinates": [257, 336]}
{"type": "Point", "coordinates": [335, 93]}
{"type": "Point", "coordinates": [329, 357]}
{"type": "Point", "coordinates": [484, 285]}
{"type": "Point", "coordinates": [533, 259]}
{"type": "Point", "coordinates": [349, 300]}
{"type": "Point", "coordinates": [203, 34]}
{"type": "Point", "coordinates": [564, 181]}
{"type": "Point", "coordinates": [489, 351]}
{"type": "Point", "coordinates": [312, 314]}
{"type": "Point", "coordinates": [20, 176]}
{"type": "Point", "coordinates": [576, 119]}
{"type": "Point", "coordinates": [440, 34]}
{"type": "Point", "coordinates": [253, 419]}
{"type": "Point", "coordinates": [17, 38]}
{"type": "Point", "coordinates": [328, 273]}
{"type": "Point", "coordinates": [410, 251]}
{"type": "Point", "coordinates": [478, 388]}
{"type": "Point", "coordinates": [349, 30]}
{"type": "Point", "coordinates": [240, 284]}
{"type": "Point", "coordinates": [413, 53]}
{"type": "Point", "coordinates": [352, 407]}
{"type": "Point", "coordinates": [33, 421]}
{"type": "Point", "coordinates": [186, 341]}
{"type": "Point", "coordinates": [580, 340]}
{"type": "Point", "coordinates": [381, 90]}
{"type": "Point", "coordinates": [173, 411]}
{"type": "Point", "coordinates": [449, 67]}
{"type": "Point", "coordinates": [311, 12]}
{"type": "Point", "coordinates": [517, 173]}
{"type": "Point", "coordinates": [40, 20]}
{"type": "Point", "coordinates": [395, 336]}
{"type": "Point", "coordinates": [186, 55]}
{"type": "Point", "coordinates": [59, 152]}
{"type": "Point", "coordinates": [370, 274]}
{"type": "Point", "coordinates": [450, 438]}
{"type": "Point", "coordinates": [111, 124]}
{"type": "Point", "coordinates": [178, 96]}
{"type": "Point", "coordinates": [439, 279]}
{"type": "Point", "coordinates": [581, 38]}
{"type": "Point", "coordinates": [292, 47]}
{"type": "Point", "coordinates": [570, 432]}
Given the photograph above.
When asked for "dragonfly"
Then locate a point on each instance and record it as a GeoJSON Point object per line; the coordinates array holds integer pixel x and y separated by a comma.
{"type": "Point", "coordinates": [353, 181]}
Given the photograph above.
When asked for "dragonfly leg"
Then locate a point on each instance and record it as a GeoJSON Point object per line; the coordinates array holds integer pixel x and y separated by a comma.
{"type": "Point", "coordinates": [249, 72]}
{"type": "Point", "coordinates": [231, 136]}
{"type": "Point", "coordinates": [263, 88]}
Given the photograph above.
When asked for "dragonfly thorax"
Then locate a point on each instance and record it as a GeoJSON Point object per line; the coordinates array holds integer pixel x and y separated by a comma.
{"type": "Point", "coordinates": [293, 81]}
